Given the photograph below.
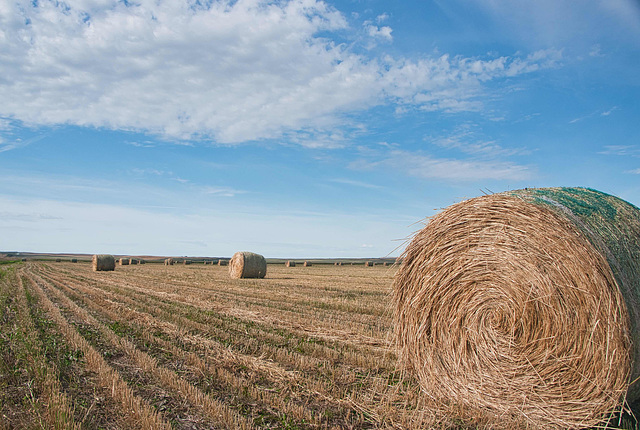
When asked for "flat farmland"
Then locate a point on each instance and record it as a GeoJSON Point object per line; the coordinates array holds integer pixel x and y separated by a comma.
{"type": "Point", "coordinates": [186, 347]}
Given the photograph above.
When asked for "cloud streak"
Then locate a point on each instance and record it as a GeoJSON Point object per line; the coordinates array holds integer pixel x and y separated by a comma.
{"type": "Point", "coordinates": [224, 71]}
{"type": "Point", "coordinates": [426, 166]}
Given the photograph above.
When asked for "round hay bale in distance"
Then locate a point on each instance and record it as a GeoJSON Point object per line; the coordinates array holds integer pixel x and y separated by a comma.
{"type": "Point", "coordinates": [124, 261]}
{"type": "Point", "coordinates": [74, 260]}
{"type": "Point", "coordinates": [307, 264]}
{"type": "Point", "coordinates": [186, 262]}
{"type": "Point", "coordinates": [245, 264]}
{"type": "Point", "coordinates": [223, 262]}
{"type": "Point", "coordinates": [103, 262]}
{"type": "Point", "coordinates": [522, 307]}
{"type": "Point", "coordinates": [290, 263]}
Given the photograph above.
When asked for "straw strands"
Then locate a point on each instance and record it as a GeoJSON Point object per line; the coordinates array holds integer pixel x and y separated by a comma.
{"type": "Point", "coordinates": [518, 307]}
{"type": "Point", "coordinates": [247, 265]}
{"type": "Point", "coordinates": [103, 262]}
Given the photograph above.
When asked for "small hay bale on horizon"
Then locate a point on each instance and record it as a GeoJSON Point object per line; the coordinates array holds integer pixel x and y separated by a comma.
{"type": "Point", "coordinates": [103, 262]}
{"type": "Point", "coordinates": [223, 262]}
{"type": "Point", "coordinates": [246, 264]}
{"type": "Point", "coordinates": [307, 264]}
{"type": "Point", "coordinates": [124, 261]}
{"type": "Point", "coordinates": [368, 264]}
{"type": "Point", "coordinates": [290, 263]}
{"type": "Point", "coordinates": [168, 262]}
{"type": "Point", "coordinates": [74, 260]}
{"type": "Point", "coordinates": [522, 309]}
{"type": "Point", "coordinates": [186, 262]}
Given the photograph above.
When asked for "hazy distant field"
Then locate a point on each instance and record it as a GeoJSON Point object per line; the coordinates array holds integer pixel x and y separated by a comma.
{"type": "Point", "coordinates": [187, 347]}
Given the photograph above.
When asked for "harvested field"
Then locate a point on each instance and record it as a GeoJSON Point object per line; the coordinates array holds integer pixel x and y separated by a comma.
{"type": "Point", "coordinates": [187, 347]}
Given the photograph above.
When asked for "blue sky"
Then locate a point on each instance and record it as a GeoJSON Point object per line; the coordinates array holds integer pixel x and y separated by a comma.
{"type": "Point", "coordinates": [301, 128]}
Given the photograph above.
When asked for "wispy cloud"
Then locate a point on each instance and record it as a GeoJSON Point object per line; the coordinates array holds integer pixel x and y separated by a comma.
{"type": "Point", "coordinates": [634, 171]}
{"type": "Point", "coordinates": [222, 191]}
{"type": "Point", "coordinates": [621, 150]}
{"type": "Point", "coordinates": [429, 167]}
{"type": "Point", "coordinates": [18, 143]}
{"type": "Point", "coordinates": [596, 113]}
{"type": "Point", "coordinates": [466, 140]}
{"type": "Point", "coordinates": [144, 144]}
{"type": "Point", "coordinates": [357, 183]}
{"type": "Point", "coordinates": [27, 217]}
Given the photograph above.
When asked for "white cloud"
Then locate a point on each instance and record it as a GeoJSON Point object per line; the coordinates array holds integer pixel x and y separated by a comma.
{"type": "Point", "coordinates": [222, 191]}
{"type": "Point", "coordinates": [227, 71]}
{"type": "Point", "coordinates": [621, 150]}
{"type": "Point", "coordinates": [466, 140]}
{"type": "Point", "coordinates": [634, 171]}
{"type": "Point", "coordinates": [376, 32]}
{"type": "Point", "coordinates": [357, 183]}
{"type": "Point", "coordinates": [429, 167]}
{"type": "Point", "coordinates": [567, 23]}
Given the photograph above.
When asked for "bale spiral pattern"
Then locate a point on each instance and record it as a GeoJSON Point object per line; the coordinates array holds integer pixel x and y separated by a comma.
{"type": "Point", "coordinates": [507, 306]}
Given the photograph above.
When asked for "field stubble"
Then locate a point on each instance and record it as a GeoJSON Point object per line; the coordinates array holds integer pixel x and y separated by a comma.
{"type": "Point", "coordinates": [187, 347]}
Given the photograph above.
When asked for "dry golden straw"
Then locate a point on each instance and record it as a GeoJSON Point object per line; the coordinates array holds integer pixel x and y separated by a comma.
{"type": "Point", "coordinates": [518, 307]}
{"type": "Point", "coordinates": [247, 265]}
{"type": "Point", "coordinates": [103, 262]}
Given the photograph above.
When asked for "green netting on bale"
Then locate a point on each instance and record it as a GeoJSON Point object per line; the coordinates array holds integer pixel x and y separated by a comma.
{"type": "Point", "coordinates": [612, 226]}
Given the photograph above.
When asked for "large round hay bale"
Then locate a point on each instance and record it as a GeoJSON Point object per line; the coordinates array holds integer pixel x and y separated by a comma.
{"type": "Point", "coordinates": [290, 263]}
{"type": "Point", "coordinates": [103, 262]}
{"type": "Point", "coordinates": [247, 265]}
{"type": "Point", "coordinates": [524, 307]}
